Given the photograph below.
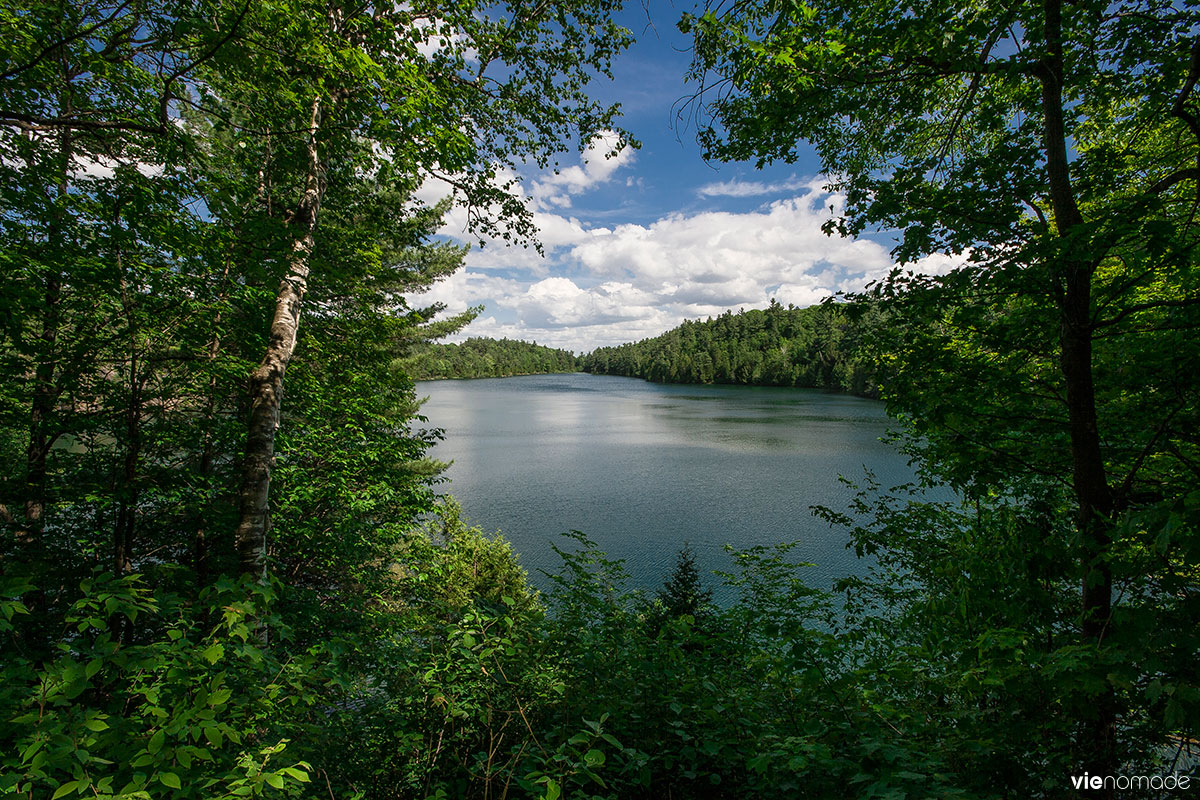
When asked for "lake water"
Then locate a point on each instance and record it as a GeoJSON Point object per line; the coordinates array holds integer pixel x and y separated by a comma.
{"type": "Point", "coordinates": [643, 468]}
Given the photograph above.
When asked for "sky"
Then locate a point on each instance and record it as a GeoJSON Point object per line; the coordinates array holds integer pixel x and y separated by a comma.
{"type": "Point", "coordinates": [635, 244]}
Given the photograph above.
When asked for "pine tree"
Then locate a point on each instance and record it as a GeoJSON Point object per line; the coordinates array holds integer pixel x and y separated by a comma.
{"type": "Point", "coordinates": [682, 592]}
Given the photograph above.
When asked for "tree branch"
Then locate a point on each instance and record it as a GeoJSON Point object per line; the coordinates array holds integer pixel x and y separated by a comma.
{"type": "Point", "coordinates": [1179, 108]}
{"type": "Point", "coordinates": [50, 48]}
{"type": "Point", "coordinates": [212, 51]}
{"type": "Point", "coordinates": [1178, 176]}
{"type": "Point", "coordinates": [1139, 307]}
{"type": "Point", "coordinates": [32, 123]}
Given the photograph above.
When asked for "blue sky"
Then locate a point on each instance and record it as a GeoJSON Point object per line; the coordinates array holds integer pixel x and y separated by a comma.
{"type": "Point", "coordinates": [636, 244]}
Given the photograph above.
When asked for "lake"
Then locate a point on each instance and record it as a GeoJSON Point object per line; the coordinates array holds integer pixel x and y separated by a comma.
{"type": "Point", "coordinates": [643, 468]}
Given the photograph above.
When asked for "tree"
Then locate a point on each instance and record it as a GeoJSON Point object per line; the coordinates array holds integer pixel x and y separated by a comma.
{"type": "Point", "coordinates": [260, 116]}
{"type": "Point", "coordinates": [1054, 146]}
{"type": "Point", "coordinates": [318, 91]}
{"type": "Point", "coordinates": [182, 180]}
{"type": "Point", "coordinates": [682, 592]}
{"type": "Point", "coordinates": [815, 347]}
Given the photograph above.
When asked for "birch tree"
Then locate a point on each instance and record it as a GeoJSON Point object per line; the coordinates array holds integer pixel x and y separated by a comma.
{"type": "Point", "coordinates": [467, 94]}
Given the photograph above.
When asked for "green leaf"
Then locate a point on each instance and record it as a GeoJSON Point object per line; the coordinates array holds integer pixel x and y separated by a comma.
{"type": "Point", "coordinates": [170, 779]}
{"type": "Point", "coordinates": [298, 774]}
{"type": "Point", "coordinates": [214, 736]}
{"type": "Point", "coordinates": [64, 790]}
{"type": "Point", "coordinates": [213, 653]}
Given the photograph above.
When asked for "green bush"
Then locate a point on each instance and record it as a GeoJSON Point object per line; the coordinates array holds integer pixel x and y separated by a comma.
{"type": "Point", "coordinates": [194, 702]}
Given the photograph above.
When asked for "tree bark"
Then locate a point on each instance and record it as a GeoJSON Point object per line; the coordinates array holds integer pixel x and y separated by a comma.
{"type": "Point", "coordinates": [1093, 496]}
{"type": "Point", "coordinates": [266, 382]}
{"type": "Point", "coordinates": [45, 390]}
{"type": "Point", "coordinates": [128, 489]}
{"type": "Point", "coordinates": [40, 412]}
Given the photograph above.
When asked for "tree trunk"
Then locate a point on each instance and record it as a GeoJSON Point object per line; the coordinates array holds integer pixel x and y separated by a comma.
{"type": "Point", "coordinates": [266, 382]}
{"type": "Point", "coordinates": [40, 412]}
{"type": "Point", "coordinates": [207, 455]}
{"type": "Point", "coordinates": [128, 490]}
{"type": "Point", "coordinates": [45, 390]}
{"type": "Point", "coordinates": [1093, 498]}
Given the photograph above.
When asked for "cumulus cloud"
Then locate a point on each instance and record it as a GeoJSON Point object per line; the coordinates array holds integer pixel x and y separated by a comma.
{"type": "Point", "coordinates": [464, 289]}
{"type": "Point", "coordinates": [599, 163]}
{"type": "Point", "coordinates": [436, 36]}
{"type": "Point", "coordinates": [607, 285]}
{"type": "Point", "coordinates": [558, 302]}
{"type": "Point", "coordinates": [729, 259]}
{"type": "Point", "coordinates": [577, 340]}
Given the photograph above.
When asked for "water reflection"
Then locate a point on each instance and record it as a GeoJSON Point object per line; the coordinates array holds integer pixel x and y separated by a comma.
{"type": "Point", "coordinates": [643, 468]}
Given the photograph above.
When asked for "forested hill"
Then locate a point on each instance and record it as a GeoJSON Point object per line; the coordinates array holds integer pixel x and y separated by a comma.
{"type": "Point", "coordinates": [816, 347]}
{"type": "Point", "coordinates": [487, 358]}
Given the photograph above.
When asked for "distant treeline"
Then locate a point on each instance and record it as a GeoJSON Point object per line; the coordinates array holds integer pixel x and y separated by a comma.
{"type": "Point", "coordinates": [487, 358]}
{"type": "Point", "coordinates": [816, 347]}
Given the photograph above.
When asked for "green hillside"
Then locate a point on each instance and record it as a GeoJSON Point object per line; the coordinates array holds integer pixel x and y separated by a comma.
{"type": "Point", "coordinates": [816, 347]}
{"type": "Point", "coordinates": [487, 358]}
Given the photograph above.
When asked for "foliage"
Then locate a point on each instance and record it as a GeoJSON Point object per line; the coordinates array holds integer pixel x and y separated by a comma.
{"type": "Point", "coordinates": [179, 177]}
{"type": "Point", "coordinates": [451, 698]}
{"type": "Point", "coordinates": [196, 705]}
{"type": "Point", "coordinates": [1053, 368]}
{"type": "Point", "coordinates": [756, 699]}
{"type": "Point", "coordinates": [486, 358]}
{"type": "Point", "coordinates": [452, 566]}
{"type": "Point", "coordinates": [816, 347]}
{"type": "Point", "coordinates": [183, 184]}
{"type": "Point", "coordinates": [684, 593]}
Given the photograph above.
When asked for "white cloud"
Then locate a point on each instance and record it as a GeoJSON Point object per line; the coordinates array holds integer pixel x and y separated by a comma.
{"type": "Point", "coordinates": [607, 285]}
{"type": "Point", "coordinates": [727, 259]}
{"type": "Point", "coordinates": [456, 224]}
{"type": "Point", "coordinates": [433, 37]}
{"type": "Point", "coordinates": [104, 168]}
{"type": "Point", "coordinates": [597, 166]}
{"type": "Point", "coordinates": [578, 340]}
{"type": "Point", "coordinates": [737, 188]}
{"type": "Point", "coordinates": [559, 303]}
{"type": "Point", "coordinates": [464, 289]}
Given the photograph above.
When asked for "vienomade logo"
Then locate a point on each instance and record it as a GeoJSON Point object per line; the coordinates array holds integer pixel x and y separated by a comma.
{"type": "Point", "coordinates": [1151, 782]}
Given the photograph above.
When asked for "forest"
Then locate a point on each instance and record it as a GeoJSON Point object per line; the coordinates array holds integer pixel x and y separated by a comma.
{"type": "Point", "coordinates": [226, 569]}
{"type": "Point", "coordinates": [480, 357]}
{"type": "Point", "coordinates": [818, 347]}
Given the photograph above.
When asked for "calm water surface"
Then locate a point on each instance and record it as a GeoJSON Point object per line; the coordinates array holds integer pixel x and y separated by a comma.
{"type": "Point", "coordinates": [642, 468]}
